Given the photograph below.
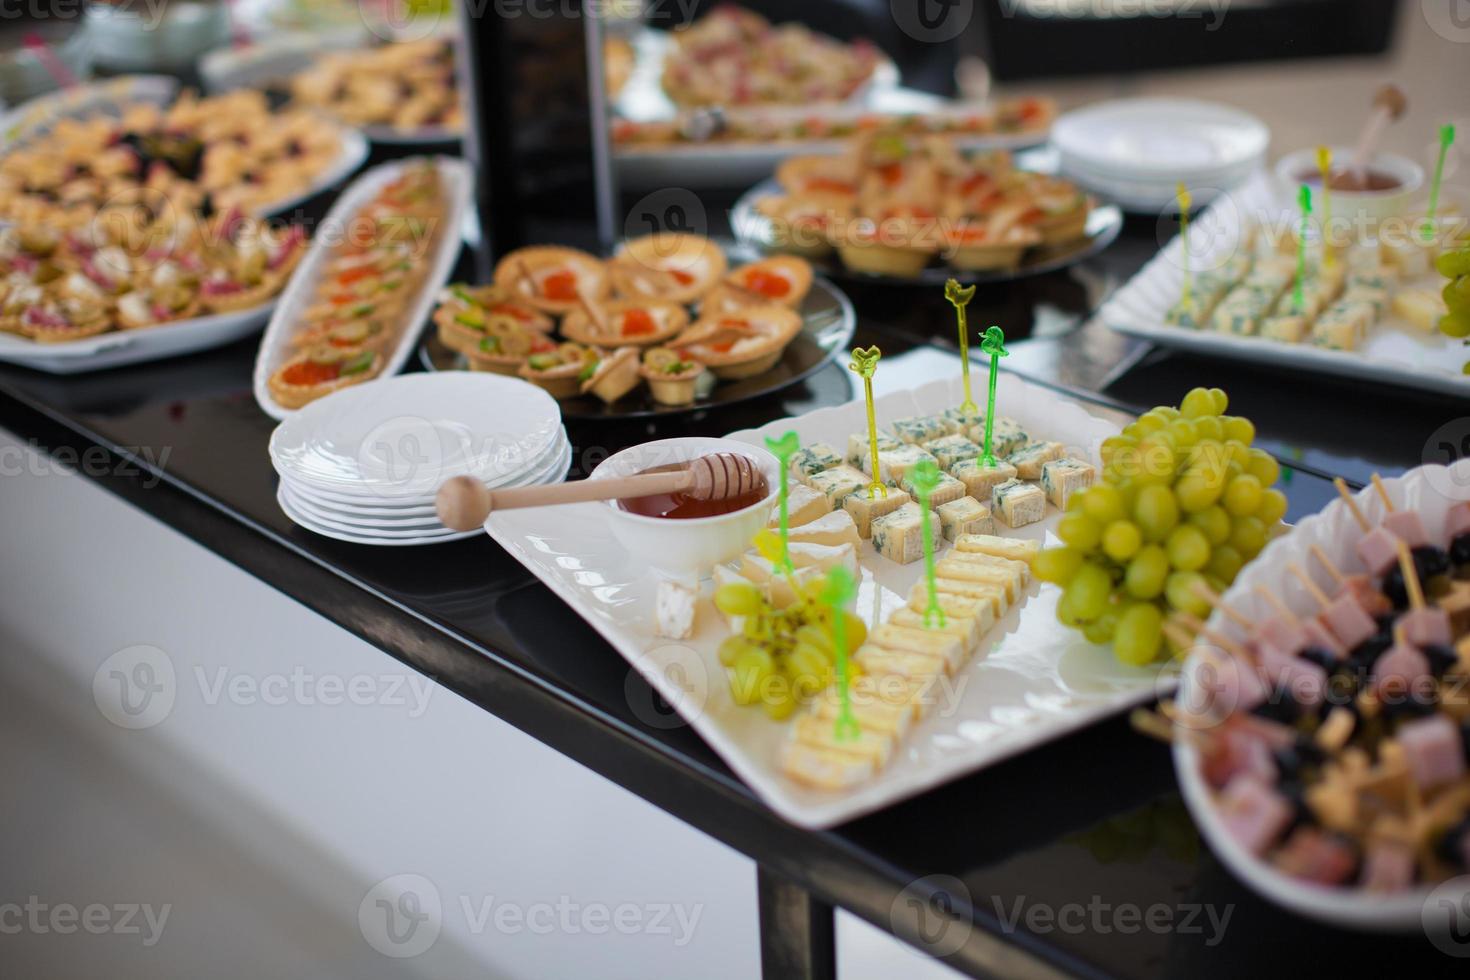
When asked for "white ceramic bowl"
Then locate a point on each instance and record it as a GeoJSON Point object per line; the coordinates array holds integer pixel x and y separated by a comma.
{"type": "Point", "coordinates": [1370, 207]}
{"type": "Point", "coordinates": [687, 547]}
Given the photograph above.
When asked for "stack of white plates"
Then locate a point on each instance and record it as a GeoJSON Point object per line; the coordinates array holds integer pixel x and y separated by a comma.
{"type": "Point", "coordinates": [363, 464]}
{"type": "Point", "coordinates": [1135, 151]}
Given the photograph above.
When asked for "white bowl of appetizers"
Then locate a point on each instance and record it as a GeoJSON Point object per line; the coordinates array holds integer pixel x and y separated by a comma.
{"type": "Point", "coordinates": [671, 535]}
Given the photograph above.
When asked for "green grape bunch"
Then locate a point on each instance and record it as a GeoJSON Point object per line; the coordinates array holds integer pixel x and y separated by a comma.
{"type": "Point", "coordinates": [1454, 265]}
{"type": "Point", "coordinates": [1183, 499]}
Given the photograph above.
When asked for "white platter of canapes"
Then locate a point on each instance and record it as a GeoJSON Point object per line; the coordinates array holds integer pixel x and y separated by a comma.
{"type": "Point", "coordinates": [376, 343]}
{"type": "Point", "coordinates": [364, 463]}
{"type": "Point", "coordinates": [1431, 798]}
{"type": "Point", "coordinates": [1384, 286]}
{"type": "Point", "coordinates": [1028, 680]}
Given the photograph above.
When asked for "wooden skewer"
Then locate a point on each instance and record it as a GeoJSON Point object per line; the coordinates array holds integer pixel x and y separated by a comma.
{"type": "Point", "coordinates": [463, 503]}
{"type": "Point", "coordinates": [1411, 576]}
{"type": "Point", "coordinates": [1146, 722]}
{"type": "Point", "coordinates": [1398, 635]}
{"type": "Point", "coordinates": [593, 314]}
{"type": "Point", "coordinates": [1382, 493]}
{"type": "Point", "coordinates": [1213, 598]}
{"type": "Point", "coordinates": [1218, 639]}
{"type": "Point", "coordinates": [1308, 584]}
{"type": "Point", "coordinates": [1327, 564]}
{"type": "Point", "coordinates": [1278, 605]}
{"type": "Point", "coordinates": [1389, 104]}
{"type": "Point", "coordinates": [1347, 498]}
{"type": "Point", "coordinates": [526, 276]}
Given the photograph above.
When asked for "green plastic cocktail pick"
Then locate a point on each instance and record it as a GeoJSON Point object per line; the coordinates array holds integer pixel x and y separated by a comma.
{"type": "Point", "coordinates": [865, 364]}
{"type": "Point", "coordinates": [1186, 298]}
{"type": "Point", "coordinates": [1324, 166]}
{"type": "Point", "coordinates": [1446, 137]}
{"type": "Point", "coordinates": [840, 591]}
{"type": "Point", "coordinates": [783, 448]}
{"type": "Point", "coordinates": [1304, 198]}
{"type": "Point", "coordinates": [993, 342]}
{"type": "Point", "coordinates": [960, 296]}
{"type": "Point", "coordinates": [925, 478]}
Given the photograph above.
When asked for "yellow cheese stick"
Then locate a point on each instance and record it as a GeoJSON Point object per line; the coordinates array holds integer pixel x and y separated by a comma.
{"type": "Point", "coordinates": [823, 768]}
{"type": "Point", "coordinates": [877, 661]}
{"type": "Point", "coordinates": [992, 603]}
{"type": "Point", "coordinates": [968, 628]}
{"type": "Point", "coordinates": [1016, 549]}
{"type": "Point", "coordinates": [931, 643]}
{"type": "Point", "coordinates": [874, 746]}
{"type": "Point", "coordinates": [968, 572]}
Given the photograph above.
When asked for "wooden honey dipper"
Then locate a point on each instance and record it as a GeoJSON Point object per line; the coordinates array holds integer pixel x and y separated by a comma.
{"type": "Point", "coordinates": [464, 502]}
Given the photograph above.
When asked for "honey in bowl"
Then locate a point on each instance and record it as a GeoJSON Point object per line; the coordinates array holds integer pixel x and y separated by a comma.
{"type": "Point", "coordinates": [1342, 179]}
{"type": "Point", "coordinates": [682, 507]}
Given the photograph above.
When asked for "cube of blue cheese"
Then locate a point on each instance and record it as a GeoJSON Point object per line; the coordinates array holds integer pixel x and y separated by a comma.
{"type": "Point", "coordinates": [1018, 504]}
{"type": "Point", "coordinates": [1375, 296]}
{"type": "Point", "coordinates": [1060, 478]}
{"type": "Point", "coordinates": [920, 428]}
{"type": "Point", "coordinates": [947, 489]}
{"type": "Point", "coordinates": [1028, 460]}
{"type": "Point", "coordinates": [814, 459]}
{"type": "Point", "coordinates": [1288, 328]}
{"type": "Point", "coordinates": [979, 479]}
{"type": "Point", "coordinates": [1342, 326]}
{"type": "Point", "coordinates": [1408, 254]}
{"type": "Point", "coordinates": [894, 464]}
{"type": "Point", "coordinates": [965, 516]}
{"type": "Point", "coordinates": [949, 450]}
{"type": "Point", "coordinates": [1241, 312]}
{"type": "Point", "coordinates": [863, 509]}
{"type": "Point", "coordinates": [859, 450]}
{"type": "Point", "coordinates": [1420, 308]}
{"type": "Point", "coordinates": [837, 483]}
{"type": "Point", "coordinates": [1378, 276]}
{"type": "Point", "coordinates": [1189, 313]}
{"type": "Point", "coordinates": [962, 419]}
{"type": "Point", "coordinates": [899, 536]}
{"type": "Point", "coordinates": [1006, 436]}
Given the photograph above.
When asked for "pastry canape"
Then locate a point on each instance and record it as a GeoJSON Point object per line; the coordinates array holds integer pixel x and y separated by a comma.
{"type": "Point", "coordinates": [55, 323]}
{"type": "Point", "coordinates": [152, 306]}
{"type": "Point", "coordinates": [831, 176]}
{"type": "Point", "coordinates": [464, 325]}
{"type": "Point", "coordinates": [366, 334]}
{"type": "Point", "coordinates": [614, 375]}
{"type": "Point", "coordinates": [321, 371]}
{"type": "Point", "coordinates": [899, 247]}
{"type": "Point", "coordinates": [979, 245]}
{"type": "Point", "coordinates": [553, 279]}
{"type": "Point", "coordinates": [560, 371]}
{"type": "Point", "coordinates": [625, 321]}
{"type": "Point", "coordinates": [672, 379]}
{"type": "Point", "coordinates": [496, 299]}
{"type": "Point", "coordinates": [783, 279]}
{"type": "Point", "coordinates": [665, 266]}
{"type": "Point", "coordinates": [1061, 212]}
{"type": "Point", "coordinates": [500, 345]}
{"type": "Point", "coordinates": [742, 344]}
{"type": "Point", "coordinates": [799, 222]}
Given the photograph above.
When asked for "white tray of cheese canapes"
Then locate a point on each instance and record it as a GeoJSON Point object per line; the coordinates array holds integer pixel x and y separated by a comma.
{"type": "Point", "coordinates": [1393, 351]}
{"type": "Point", "coordinates": [1031, 680]}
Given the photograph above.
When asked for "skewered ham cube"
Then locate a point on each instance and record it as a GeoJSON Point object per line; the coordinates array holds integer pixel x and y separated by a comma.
{"type": "Point", "coordinates": [1318, 635]}
{"type": "Point", "coordinates": [1387, 867]}
{"type": "Point", "coordinates": [1311, 855]}
{"type": "Point", "coordinates": [1401, 669]}
{"type": "Point", "coordinates": [1378, 549]}
{"type": "Point", "coordinates": [1406, 525]}
{"type": "Point", "coordinates": [1239, 751]}
{"type": "Point", "coordinates": [1347, 620]}
{"type": "Point", "coordinates": [1426, 627]}
{"type": "Point", "coordinates": [1304, 680]}
{"type": "Point", "coordinates": [1433, 749]}
{"type": "Point", "coordinates": [1254, 813]}
{"type": "Point", "coordinates": [1283, 634]}
{"type": "Point", "coordinates": [1457, 521]}
{"type": "Point", "coordinates": [1226, 685]}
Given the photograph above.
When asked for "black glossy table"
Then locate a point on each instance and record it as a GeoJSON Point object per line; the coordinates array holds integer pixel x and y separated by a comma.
{"type": "Point", "coordinates": [1075, 859]}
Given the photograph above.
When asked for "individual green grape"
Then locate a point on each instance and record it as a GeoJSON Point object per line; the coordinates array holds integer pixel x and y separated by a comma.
{"type": "Point", "coordinates": [1210, 427]}
{"type": "Point", "coordinates": [1079, 531]}
{"type": "Point", "coordinates": [738, 599]}
{"type": "Point", "coordinates": [1088, 592]}
{"type": "Point", "coordinates": [1066, 613]}
{"type": "Point", "coordinates": [778, 700]}
{"type": "Point", "coordinates": [816, 637]}
{"type": "Point", "coordinates": [1121, 540]}
{"type": "Point", "coordinates": [1056, 565]}
{"type": "Point", "coordinates": [1179, 591]}
{"type": "Point", "coordinates": [1157, 462]}
{"type": "Point", "coordinates": [809, 660]}
{"type": "Point", "coordinates": [1197, 404]}
{"type": "Point", "coordinates": [1145, 575]}
{"type": "Point", "coordinates": [1457, 293]}
{"type": "Point", "coordinates": [1103, 503]}
{"type": "Point", "coordinates": [1185, 433]}
{"type": "Point", "coordinates": [1156, 512]}
{"type": "Point", "coordinates": [1196, 492]}
{"type": "Point", "coordinates": [1242, 496]}
{"type": "Point", "coordinates": [731, 647]}
{"type": "Point", "coordinates": [1222, 400]}
{"type": "Point", "coordinates": [1456, 323]}
{"type": "Point", "coordinates": [1140, 633]}
{"type": "Point", "coordinates": [1151, 421]}
{"type": "Point", "coordinates": [1214, 522]}
{"type": "Point", "coordinates": [1273, 507]}
{"type": "Point", "coordinates": [1188, 548]}
{"type": "Point", "coordinates": [1168, 411]}
{"type": "Point", "coordinates": [1248, 536]}
{"type": "Point", "coordinates": [1238, 453]}
{"type": "Point", "coordinates": [749, 674]}
{"type": "Point", "coordinates": [857, 631]}
{"type": "Point", "coordinates": [1225, 563]}
{"type": "Point", "coordinates": [1240, 428]}
{"type": "Point", "coordinates": [1453, 263]}
{"type": "Point", "coordinates": [1099, 631]}
{"type": "Point", "coordinates": [1263, 467]}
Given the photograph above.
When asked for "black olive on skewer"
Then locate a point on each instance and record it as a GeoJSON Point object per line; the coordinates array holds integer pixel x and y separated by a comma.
{"type": "Point", "coordinates": [1460, 550]}
{"type": "Point", "coordinates": [1281, 706]}
{"type": "Point", "coordinates": [1322, 658]}
{"type": "Point", "coordinates": [1441, 658]}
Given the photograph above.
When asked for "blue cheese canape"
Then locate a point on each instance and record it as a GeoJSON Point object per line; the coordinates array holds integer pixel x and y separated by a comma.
{"type": "Point", "coordinates": [862, 509]}
{"type": "Point", "coordinates": [979, 479]}
{"type": "Point", "coordinates": [899, 536]}
{"type": "Point", "coordinates": [965, 516]}
{"type": "Point", "coordinates": [1018, 504]}
{"type": "Point", "coordinates": [1060, 478]}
